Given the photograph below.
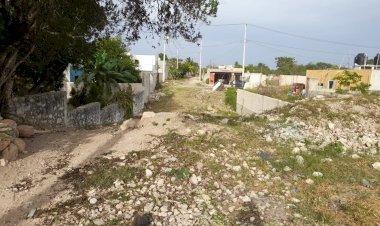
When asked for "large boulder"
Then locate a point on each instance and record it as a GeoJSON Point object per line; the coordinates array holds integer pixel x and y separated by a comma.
{"type": "Point", "coordinates": [25, 131]}
{"type": "Point", "coordinates": [4, 143]}
{"type": "Point", "coordinates": [9, 123]}
{"type": "Point", "coordinates": [10, 153]}
{"type": "Point", "coordinates": [8, 132]}
{"type": "Point", "coordinates": [21, 145]}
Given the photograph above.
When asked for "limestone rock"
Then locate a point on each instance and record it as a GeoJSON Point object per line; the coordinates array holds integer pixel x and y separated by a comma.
{"type": "Point", "coordinates": [148, 114]}
{"type": "Point", "coordinates": [300, 159]}
{"type": "Point", "coordinates": [9, 123]}
{"type": "Point", "coordinates": [194, 179]}
{"type": "Point", "coordinates": [376, 165]}
{"type": "Point", "coordinates": [309, 181]}
{"type": "Point", "coordinates": [10, 153]}
{"type": "Point", "coordinates": [3, 162]}
{"type": "Point", "coordinates": [317, 174]}
{"type": "Point", "coordinates": [8, 132]}
{"type": "Point", "coordinates": [4, 143]}
{"type": "Point", "coordinates": [331, 125]}
{"type": "Point", "coordinates": [21, 145]}
{"type": "Point", "coordinates": [128, 124]}
{"type": "Point", "coordinates": [148, 173]}
{"type": "Point", "coordinates": [25, 131]}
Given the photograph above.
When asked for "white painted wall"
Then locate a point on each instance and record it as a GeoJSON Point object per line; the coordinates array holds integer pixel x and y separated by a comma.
{"type": "Point", "coordinates": [375, 80]}
{"type": "Point", "coordinates": [254, 80]}
{"type": "Point", "coordinates": [146, 62]}
{"type": "Point", "coordinates": [287, 80]}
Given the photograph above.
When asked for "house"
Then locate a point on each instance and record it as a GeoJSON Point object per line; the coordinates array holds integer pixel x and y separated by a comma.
{"type": "Point", "coordinates": [228, 74]}
{"type": "Point", "coordinates": [71, 75]}
{"type": "Point", "coordinates": [147, 63]}
{"type": "Point", "coordinates": [323, 80]}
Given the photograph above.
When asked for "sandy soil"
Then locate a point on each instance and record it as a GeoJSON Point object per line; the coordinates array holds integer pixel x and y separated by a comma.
{"type": "Point", "coordinates": [32, 182]}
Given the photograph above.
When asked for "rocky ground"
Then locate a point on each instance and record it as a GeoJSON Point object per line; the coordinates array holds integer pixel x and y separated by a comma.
{"type": "Point", "coordinates": [314, 162]}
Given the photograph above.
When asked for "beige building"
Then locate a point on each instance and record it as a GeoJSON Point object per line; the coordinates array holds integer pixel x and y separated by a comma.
{"type": "Point", "coordinates": [323, 80]}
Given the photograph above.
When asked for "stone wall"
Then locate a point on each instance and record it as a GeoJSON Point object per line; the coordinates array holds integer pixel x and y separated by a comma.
{"type": "Point", "coordinates": [86, 115]}
{"type": "Point", "coordinates": [48, 110]}
{"type": "Point", "coordinates": [111, 114]}
{"type": "Point", "coordinates": [138, 102]}
{"type": "Point", "coordinates": [249, 103]}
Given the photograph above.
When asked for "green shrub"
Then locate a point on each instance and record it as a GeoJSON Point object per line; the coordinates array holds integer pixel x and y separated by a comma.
{"type": "Point", "coordinates": [208, 81]}
{"type": "Point", "coordinates": [351, 81]}
{"type": "Point", "coordinates": [124, 98]}
{"type": "Point", "coordinates": [230, 98]}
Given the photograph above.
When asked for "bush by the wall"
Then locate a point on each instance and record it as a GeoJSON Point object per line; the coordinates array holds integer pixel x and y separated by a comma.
{"type": "Point", "coordinates": [208, 81]}
{"type": "Point", "coordinates": [230, 98]}
{"type": "Point", "coordinates": [124, 98]}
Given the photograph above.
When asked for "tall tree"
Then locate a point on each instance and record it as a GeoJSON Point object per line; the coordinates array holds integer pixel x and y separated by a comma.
{"type": "Point", "coordinates": [285, 65]}
{"type": "Point", "coordinates": [25, 23]}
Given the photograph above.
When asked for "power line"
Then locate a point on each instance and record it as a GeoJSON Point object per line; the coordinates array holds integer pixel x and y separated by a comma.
{"type": "Point", "coordinates": [223, 44]}
{"type": "Point", "coordinates": [291, 53]}
{"type": "Point", "coordinates": [302, 49]}
{"type": "Point", "coordinates": [298, 36]}
{"type": "Point", "coordinates": [314, 39]}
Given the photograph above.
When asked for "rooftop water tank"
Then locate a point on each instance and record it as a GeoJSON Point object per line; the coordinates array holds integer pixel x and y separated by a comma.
{"type": "Point", "coordinates": [361, 59]}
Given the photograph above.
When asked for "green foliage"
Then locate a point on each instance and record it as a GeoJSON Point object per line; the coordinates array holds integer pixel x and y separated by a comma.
{"type": "Point", "coordinates": [185, 67]}
{"type": "Point", "coordinates": [161, 56]}
{"type": "Point", "coordinates": [230, 98]}
{"type": "Point", "coordinates": [181, 173]}
{"type": "Point", "coordinates": [124, 98]}
{"type": "Point", "coordinates": [237, 65]}
{"type": "Point", "coordinates": [109, 66]}
{"type": "Point", "coordinates": [175, 73]}
{"type": "Point", "coordinates": [259, 68]}
{"type": "Point", "coordinates": [289, 66]}
{"type": "Point", "coordinates": [207, 81]}
{"type": "Point", "coordinates": [285, 65]}
{"type": "Point", "coordinates": [351, 81]}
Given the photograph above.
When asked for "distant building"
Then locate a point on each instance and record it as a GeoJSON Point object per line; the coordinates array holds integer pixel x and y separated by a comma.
{"type": "Point", "coordinates": [323, 80]}
{"type": "Point", "coordinates": [227, 74]}
{"type": "Point", "coordinates": [147, 63]}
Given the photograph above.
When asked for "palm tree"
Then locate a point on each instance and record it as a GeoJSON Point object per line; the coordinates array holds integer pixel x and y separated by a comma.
{"type": "Point", "coordinates": [100, 80]}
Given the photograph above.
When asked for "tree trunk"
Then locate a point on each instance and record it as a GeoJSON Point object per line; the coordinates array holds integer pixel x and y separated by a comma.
{"type": "Point", "coordinates": [5, 98]}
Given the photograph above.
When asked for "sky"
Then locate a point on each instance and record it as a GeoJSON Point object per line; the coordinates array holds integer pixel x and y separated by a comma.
{"type": "Point", "coordinates": [331, 31]}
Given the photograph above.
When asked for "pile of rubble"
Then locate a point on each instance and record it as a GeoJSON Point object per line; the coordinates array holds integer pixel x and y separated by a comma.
{"type": "Point", "coordinates": [11, 144]}
{"type": "Point", "coordinates": [356, 127]}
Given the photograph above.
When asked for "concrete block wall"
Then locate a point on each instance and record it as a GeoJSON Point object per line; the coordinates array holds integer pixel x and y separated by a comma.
{"type": "Point", "coordinates": [249, 103]}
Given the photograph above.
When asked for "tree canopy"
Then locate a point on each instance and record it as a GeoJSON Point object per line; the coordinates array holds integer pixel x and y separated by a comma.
{"type": "Point", "coordinates": [43, 36]}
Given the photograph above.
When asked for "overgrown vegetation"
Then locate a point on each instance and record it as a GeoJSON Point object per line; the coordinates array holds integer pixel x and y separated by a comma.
{"type": "Point", "coordinates": [124, 98]}
{"type": "Point", "coordinates": [231, 98]}
{"type": "Point", "coordinates": [279, 92]}
{"type": "Point", "coordinates": [348, 80]}
{"type": "Point", "coordinates": [102, 75]}
{"type": "Point", "coordinates": [186, 67]}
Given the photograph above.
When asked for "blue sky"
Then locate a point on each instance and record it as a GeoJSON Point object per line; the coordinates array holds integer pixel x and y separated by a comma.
{"type": "Point", "coordinates": [344, 21]}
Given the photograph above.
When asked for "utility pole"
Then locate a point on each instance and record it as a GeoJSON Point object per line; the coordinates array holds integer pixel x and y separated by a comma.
{"type": "Point", "coordinates": [177, 58]}
{"type": "Point", "coordinates": [200, 60]}
{"type": "Point", "coordinates": [164, 64]}
{"type": "Point", "coordinates": [244, 48]}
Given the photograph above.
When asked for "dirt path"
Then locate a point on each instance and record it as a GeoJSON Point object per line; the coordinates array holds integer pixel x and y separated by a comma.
{"type": "Point", "coordinates": [182, 171]}
{"type": "Point", "coordinates": [33, 180]}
